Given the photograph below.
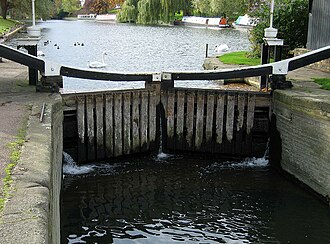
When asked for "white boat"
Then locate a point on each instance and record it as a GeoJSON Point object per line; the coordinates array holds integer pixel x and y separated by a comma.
{"type": "Point", "coordinates": [245, 22]}
{"type": "Point", "coordinates": [106, 17]}
{"type": "Point", "coordinates": [202, 22]}
{"type": "Point", "coordinates": [86, 16]}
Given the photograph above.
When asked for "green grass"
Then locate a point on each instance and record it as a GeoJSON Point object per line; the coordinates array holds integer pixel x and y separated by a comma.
{"type": "Point", "coordinates": [324, 82]}
{"type": "Point", "coordinates": [6, 25]}
{"type": "Point", "coordinates": [240, 58]}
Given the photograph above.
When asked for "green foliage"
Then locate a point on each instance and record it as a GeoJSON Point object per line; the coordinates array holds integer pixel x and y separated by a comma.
{"type": "Point", "coordinates": [152, 11]}
{"type": "Point", "coordinates": [20, 9]}
{"type": "Point", "coordinates": [129, 11]}
{"type": "Point", "coordinates": [324, 82]}
{"type": "Point", "coordinates": [239, 58]}
{"type": "Point", "coordinates": [290, 18]}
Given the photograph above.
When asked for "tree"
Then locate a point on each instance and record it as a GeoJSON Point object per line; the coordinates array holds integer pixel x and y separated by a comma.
{"type": "Point", "coordinates": [290, 18]}
{"type": "Point", "coordinates": [4, 8]}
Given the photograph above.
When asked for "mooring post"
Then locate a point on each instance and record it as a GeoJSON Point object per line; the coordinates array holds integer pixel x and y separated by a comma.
{"type": "Point", "coordinates": [207, 50]}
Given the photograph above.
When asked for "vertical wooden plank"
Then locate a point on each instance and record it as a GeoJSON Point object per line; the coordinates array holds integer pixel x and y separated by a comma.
{"type": "Point", "coordinates": [199, 120]}
{"type": "Point", "coordinates": [249, 122]}
{"type": "Point", "coordinates": [81, 128]}
{"type": "Point", "coordinates": [190, 118]}
{"type": "Point", "coordinates": [118, 120]}
{"type": "Point", "coordinates": [90, 127]}
{"type": "Point", "coordinates": [220, 117]}
{"type": "Point", "coordinates": [99, 127]}
{"type": "Point", "coordinates": [127, 123]}
{"type": "Point", "coordinates": [250, 112]}
{"type": "Point", "coordinates": [180, 120]}
{"type": "Point", "coordinates": [209, 117]}
{"type": "Point", "coordinates": [136, 122]}
{"type": "Point", "coordinates": [241, 102]}
{"type": "Point", "coordinates": [230, 116]}
{"type": "Point", "coordinates": [170, 119]}
{"type": "Point", "coordinates": [109, 134]}
{"type": "Point", "coordinates": [144, 121]}
{"type": "Point", "coordinates": [152, 118]}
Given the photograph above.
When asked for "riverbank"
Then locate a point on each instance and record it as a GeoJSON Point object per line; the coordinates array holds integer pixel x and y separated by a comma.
{"type": "Point", "coordinates": [30, 192]}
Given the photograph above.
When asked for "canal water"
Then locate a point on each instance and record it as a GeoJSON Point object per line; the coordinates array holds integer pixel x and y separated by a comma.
{"type": "Point", "coordinates": [171, 198]}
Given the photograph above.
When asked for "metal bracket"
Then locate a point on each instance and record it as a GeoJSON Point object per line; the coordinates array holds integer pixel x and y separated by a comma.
{"type": "Point", "coordinates": [52, 68]}
{"type": "Point", "coordinates": [166, 76]}
{"type": "Point", "coordinates": [281, 67]}
{"type": "Point", "coordinates": [156, 77]}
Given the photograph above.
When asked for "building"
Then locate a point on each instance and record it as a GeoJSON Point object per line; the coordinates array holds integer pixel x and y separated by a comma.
{"type": "Point", "coordinates": [319, 24]}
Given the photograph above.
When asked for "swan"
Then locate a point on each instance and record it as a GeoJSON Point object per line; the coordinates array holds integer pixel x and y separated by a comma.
{"type": "Point", "coordinates": [221, 48]}
{"type": "Point", "coordinates": [97, 64]}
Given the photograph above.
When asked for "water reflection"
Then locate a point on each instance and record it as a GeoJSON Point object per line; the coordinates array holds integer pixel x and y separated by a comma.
{"type": "Point", "coordinates": [189, 200]}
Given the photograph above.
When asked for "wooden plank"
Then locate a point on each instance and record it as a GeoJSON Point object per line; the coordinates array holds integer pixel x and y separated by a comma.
{"type": "Point", "coordinates": [199, 120]}
{"type": "Point", "coordinates": [180, 119]}
{"type": "Point", "coordinates": [136, 122]}
{"type": "Point", "coordinates": [153, 98]}
{"type": "Point", "coordinates": [90, 128]}
{"type": "Point", "coordinates": [109, 128]}
{"type": "Point", "coordinates": [170, 118]}
{"type": "Point", "coordinates": [127, 123]}
{"type": "Point", "coordinates": [144, 121]}
{"type": "Point", "coordinates": [241, 103]}
{"type": "Point", "coordinates": [249, 122]}
{"type": "Point", "coordinates": [99, 127]}
{"type": "Point", "coordinates": [118, 126]}
{"type": "Point", "coordinates": [209, 118]}
{"type": "Point", "coordinates": [81, 128]}
{"type": "Point", "coordinates": [230, 116]}
{"type": "Point", "coordinates": [220, 117]}
{"type": "Point", "coordinates": [190, 118]}
{"type": "Point", "coordinates": [250, 112]}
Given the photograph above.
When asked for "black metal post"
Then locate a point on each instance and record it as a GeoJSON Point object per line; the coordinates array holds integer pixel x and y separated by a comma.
{"type": "Point", "coordinates": [33, 73]}
{"type": "Point", "coordinates": [277, 53]}
{"type": "Point", "coordinates": [264, 60]}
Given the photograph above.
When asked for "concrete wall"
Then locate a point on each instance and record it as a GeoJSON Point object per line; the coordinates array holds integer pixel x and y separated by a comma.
{"type": "Point", "coordinates": [302, 136]}
{"type": "Point", "coordinates": [32, 214]}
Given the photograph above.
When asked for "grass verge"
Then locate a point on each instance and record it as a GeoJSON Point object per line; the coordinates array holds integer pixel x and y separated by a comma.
{"type": "Point", "coordinates": [6, 25]}
{"type": "Point", "coordinates": [240, 58]}
{"type": "Point", "coordinates": [15, 155]}
{"type": "Point", "coordinates": [324, 82]}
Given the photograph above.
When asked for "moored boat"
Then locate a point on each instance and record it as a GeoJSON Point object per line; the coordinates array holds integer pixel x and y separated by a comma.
{"type": "Point", "coordinates": [203, 22]}
{"type": "Point", "coordinates": [246, 22]}
{"type": "Point", "coordinates": [86, 16]}
{"type": "Point", "coordinates": [106, 17]}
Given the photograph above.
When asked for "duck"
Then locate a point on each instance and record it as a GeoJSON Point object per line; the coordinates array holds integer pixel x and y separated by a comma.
{"type": "Point", "coordinates": [221, 48]}
{"type": "Point", "coordinates": [97, 64]}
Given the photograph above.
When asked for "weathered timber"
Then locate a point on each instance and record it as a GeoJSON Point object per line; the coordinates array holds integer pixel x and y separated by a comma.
{"type": "Point", "coordinates": [90, 128]}
{"type": "Point", "coordinates": [116, 123]}
{"type": "Point", "coordinates": [222, 122]}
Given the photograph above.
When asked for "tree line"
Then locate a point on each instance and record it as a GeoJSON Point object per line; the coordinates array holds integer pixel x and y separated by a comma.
{"type": "Point", "coordinates": [290, 16]}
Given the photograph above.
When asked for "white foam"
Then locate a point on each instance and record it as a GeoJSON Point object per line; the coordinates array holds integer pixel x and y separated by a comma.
{"type": "Point", "coordinates": [70, 167]}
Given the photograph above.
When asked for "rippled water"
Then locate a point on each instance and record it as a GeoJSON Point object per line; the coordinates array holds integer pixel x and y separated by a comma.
{"type": "Point", "coordinates": [188, 200]}
{"type": "Point", "coordinates": [132, 48]}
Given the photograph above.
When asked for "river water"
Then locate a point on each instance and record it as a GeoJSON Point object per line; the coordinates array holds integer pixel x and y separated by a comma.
{"type": "Point", "coordinates": [171, 198]}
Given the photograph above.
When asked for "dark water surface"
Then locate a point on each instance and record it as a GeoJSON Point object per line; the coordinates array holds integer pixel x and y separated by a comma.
{"type": "Point", "coordinates": [189, 200]}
